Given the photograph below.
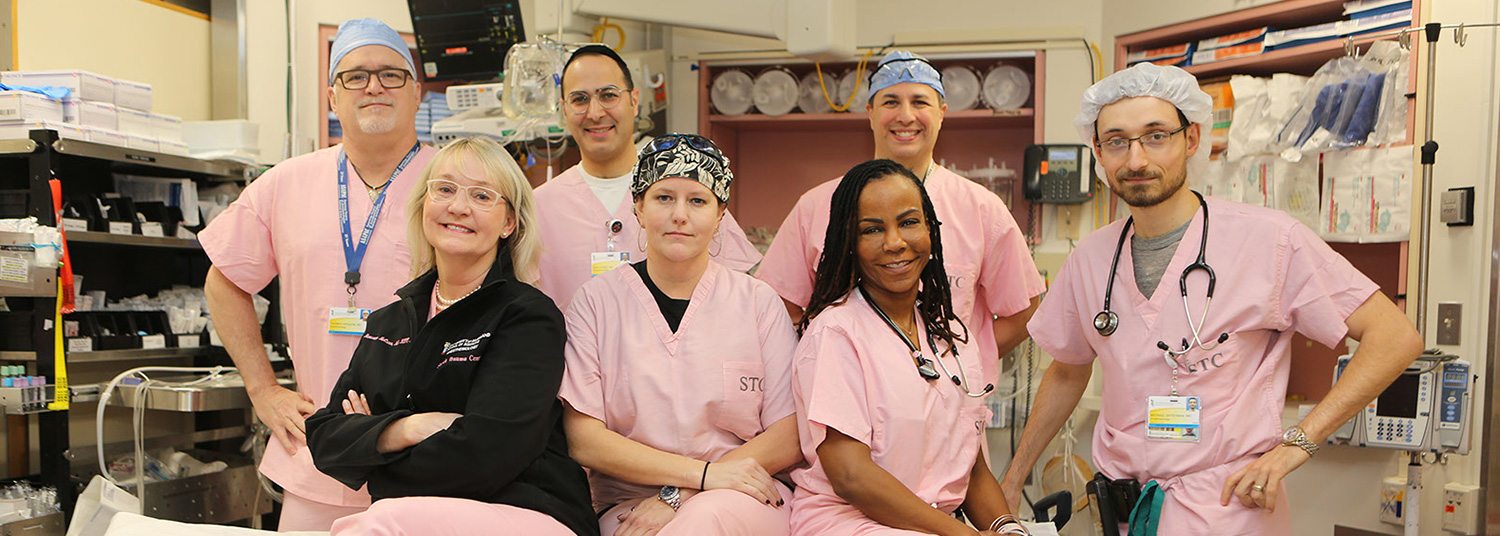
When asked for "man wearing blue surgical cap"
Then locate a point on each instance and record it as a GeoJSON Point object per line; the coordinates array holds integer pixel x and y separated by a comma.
{"type": "Point", "coordinates": [995, 284]}
{"type": "Point", "coordinates": [287, 225]}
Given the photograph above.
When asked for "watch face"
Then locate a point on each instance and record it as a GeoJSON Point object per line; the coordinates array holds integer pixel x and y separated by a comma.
{"type": "Point", "coordinates": [667, 492]}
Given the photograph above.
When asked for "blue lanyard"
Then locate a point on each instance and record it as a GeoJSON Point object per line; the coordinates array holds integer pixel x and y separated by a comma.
{"type": "Point", "coordinates": [354, 254]}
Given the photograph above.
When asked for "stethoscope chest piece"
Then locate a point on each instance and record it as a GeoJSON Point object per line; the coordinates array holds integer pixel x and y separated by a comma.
{"type": "Point", "coordinates": [1106, 322]}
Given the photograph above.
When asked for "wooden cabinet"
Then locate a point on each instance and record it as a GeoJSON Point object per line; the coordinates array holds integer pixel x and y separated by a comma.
{"type": "Point", "coordinates": [777, 158]}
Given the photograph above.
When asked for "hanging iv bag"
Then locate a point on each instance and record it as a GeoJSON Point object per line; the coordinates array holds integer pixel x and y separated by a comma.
{"type": "Point", "coordinates": [533, 74]}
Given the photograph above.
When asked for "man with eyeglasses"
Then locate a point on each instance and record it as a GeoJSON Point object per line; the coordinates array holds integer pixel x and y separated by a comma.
{"type": "Point", "coordinates": [584, 214]}
{"type": "Point", "coordinates": [994, 282]}
{"type": "Point", "coordinates": [289, 224]}
{"type": "Point", "coordinates": [1193, 402]}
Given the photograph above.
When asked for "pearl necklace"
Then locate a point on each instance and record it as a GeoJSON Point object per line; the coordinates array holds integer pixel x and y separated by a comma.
{"type": "Point", "coordinates": [446, 303]}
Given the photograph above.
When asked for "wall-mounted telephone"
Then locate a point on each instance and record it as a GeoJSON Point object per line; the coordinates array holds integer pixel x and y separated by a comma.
{"type": "Point", "coordinates": [1059, 174]}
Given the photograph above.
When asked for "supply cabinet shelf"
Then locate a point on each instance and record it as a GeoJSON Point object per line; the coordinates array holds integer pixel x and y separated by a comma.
{"type": "Point", "coordinates": [121, 265]}
{"type": "Point", "coordinates": [1384, 263]}
{"type": "Point", "coordinates": [104, 356]}
{"type": "Point", "coordinates": [95, 237]}
{"type": "Point", "coordinates": [778, 157]}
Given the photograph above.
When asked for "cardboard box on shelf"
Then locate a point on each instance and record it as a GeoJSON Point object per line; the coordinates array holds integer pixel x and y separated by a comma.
{"type": "Point", "coordinates": [166, 127]}
{"type": "Point", "coordinates": [1223, 112]}
{"type": "Point", "coordinates": [90, 114]}
{"type": "Point", "coordinates": [133, 95]}
{"type": "Point", "coordinates": [28, 106]}
{"type": "Point", "coordinates": [134, 121]}
{"type": "Point", "coordinates": [82, 84]}
{"type": "Point", "coordinates": [22, 130]}
{"type": "Point", "coordinates": [144, 143]}
{"type": "Point", "coordinates": [108, 137]}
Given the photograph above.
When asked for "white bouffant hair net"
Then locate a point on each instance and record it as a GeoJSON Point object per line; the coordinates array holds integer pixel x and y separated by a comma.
{"type": "Point", "coordinates": [1145, 79]}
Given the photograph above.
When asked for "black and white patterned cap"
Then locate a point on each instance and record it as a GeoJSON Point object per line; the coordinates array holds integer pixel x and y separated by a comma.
{"type": "Point", "coordinates": [687, 156]}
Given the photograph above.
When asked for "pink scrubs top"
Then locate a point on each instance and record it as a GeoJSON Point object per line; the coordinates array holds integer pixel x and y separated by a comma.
{"type": "Point", "coordinates": [1275, 276]}
{"type": "Point", "coordinates": [855, 375]}
{"type": "Point", "coordinates": [719, 381]}
{"type": "Point", "coordinates": [989, 267]}
{"type": "Point", "coordinates": [286, 225]}
{"type": "Point", "coordinates": [573, 225]}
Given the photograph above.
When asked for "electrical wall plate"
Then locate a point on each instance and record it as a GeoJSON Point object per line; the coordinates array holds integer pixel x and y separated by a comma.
{"type": "Point", "coordinates": [1457, 207]}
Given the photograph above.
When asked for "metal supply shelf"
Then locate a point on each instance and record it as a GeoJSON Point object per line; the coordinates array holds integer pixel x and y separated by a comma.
{"type": "Point", "coordinates": [144, 264]}
{"type": "Point", "coordinates": [95, 237]}
{"type": "Point", "coordinates": [216, 168]}
{"type": "Point", "coordinates": [102, 356]}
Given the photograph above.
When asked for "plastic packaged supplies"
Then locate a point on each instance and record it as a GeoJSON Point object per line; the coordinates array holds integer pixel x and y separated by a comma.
{"type": "Point", "coordinates": [1349, 102]}
{"type": "Point", "coordinates": [1366, 195]}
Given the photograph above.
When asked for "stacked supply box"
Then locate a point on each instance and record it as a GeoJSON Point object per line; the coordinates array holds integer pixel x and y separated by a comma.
{"type": "Point", "coordinates": [27, 106]}
{"type": "Point", "coordinates": [1228, 47]}
{"type": "Point", "coordinates": [67, 120]}
{"type": "Point", "coordinates": [108, 111]}
{"type": "Point", "coordinates": [1175, 55]}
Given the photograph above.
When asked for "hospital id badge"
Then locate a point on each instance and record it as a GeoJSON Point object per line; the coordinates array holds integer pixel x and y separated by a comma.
{"type": "Point", "coordinates": [604, 261]}
{"type": "Point", "coordinates": [347, 320]}
{"type": "Point", "coordinates": [1173, 418]}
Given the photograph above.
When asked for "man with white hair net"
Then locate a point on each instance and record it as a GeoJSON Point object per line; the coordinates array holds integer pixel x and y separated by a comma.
{"type": "Point", "coordinates": [289, 224]}
{"type": "Point", "coordinates": [996, 286]}
{"type": "Point", "coordinates": [1192, 399]}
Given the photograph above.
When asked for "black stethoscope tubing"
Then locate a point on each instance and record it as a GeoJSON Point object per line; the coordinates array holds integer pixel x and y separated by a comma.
{"type": "Point", "coordinates": [924, 365]}
{"type": "Point", "coordinates": [1107, 321]}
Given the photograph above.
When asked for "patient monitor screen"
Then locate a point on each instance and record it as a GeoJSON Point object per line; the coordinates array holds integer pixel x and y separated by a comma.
{"type": "Point", "coordinates": [1400, 399]}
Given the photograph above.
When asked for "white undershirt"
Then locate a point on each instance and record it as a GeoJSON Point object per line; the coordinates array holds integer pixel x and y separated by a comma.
{"type": "Point", "coordinates": [611, 191]}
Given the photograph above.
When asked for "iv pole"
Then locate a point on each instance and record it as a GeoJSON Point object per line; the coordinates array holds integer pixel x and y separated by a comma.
{"type": "Point", "coordinates": [1411, 510]}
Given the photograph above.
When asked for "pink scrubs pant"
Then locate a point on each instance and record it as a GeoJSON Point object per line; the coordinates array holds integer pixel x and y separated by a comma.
{"type": "Point", "coordinates": [439, 516]}
{"type": "Point", "coordinates": [719, 512]}
{"type": "Point", "coordinates": [303, 514]}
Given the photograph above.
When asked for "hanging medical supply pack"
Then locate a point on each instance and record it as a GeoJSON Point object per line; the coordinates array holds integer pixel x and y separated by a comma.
{"type": "Point", "coordinates": [1367, 195]}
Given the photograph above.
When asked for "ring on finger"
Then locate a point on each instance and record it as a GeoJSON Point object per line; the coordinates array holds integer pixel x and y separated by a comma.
{"type": "Point", "coordinates": [1257, 488]}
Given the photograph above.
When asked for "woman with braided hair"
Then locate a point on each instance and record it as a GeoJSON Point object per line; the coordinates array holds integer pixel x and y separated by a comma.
{"type": "Point", "coordinates": [889, 421]}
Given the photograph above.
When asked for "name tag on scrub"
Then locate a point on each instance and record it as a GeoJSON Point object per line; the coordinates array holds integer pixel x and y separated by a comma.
{"type": "Point", "coordinates": [347, 320]}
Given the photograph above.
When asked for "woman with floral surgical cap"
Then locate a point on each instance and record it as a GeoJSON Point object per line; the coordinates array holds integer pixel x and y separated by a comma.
{"type": "Point", "coordinates": [678, 383]}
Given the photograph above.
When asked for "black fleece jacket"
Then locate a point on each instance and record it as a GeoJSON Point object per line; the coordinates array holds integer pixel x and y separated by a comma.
{"type": "Point", "coordinates": [497, 358]}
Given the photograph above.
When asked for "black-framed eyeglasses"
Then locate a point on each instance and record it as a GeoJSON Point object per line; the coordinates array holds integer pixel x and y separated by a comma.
{"type": "Point", "coordinates": [694, 141]}
{"type": "Point", "coordinates": [357, 79]}
{"type": "Point", "coordinates": [479, 197]}
{"type": "Point", "coordinates": [1149, 140]}
{"type": "Point", "coordinates": [607, 96]}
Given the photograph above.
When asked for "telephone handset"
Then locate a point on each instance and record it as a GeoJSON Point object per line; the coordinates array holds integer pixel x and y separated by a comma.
{"type": "Point", "coordinates": [1059, 174]}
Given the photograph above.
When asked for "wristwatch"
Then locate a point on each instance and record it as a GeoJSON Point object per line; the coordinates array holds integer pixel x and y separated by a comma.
{"type": "Point", "coordinates": [671, 496]}
{"type": "Point", "coordinates": [1295, 437]}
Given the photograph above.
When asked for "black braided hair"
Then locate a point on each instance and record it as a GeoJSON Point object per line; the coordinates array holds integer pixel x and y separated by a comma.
{"type": "Point", "coordinates": [838, 266]}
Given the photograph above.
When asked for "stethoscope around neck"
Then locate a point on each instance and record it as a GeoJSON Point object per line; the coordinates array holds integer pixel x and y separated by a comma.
{"type": "Point", "coordinates": [924, 365]}
{"type": "Point", "coordinates": [1106, 322]}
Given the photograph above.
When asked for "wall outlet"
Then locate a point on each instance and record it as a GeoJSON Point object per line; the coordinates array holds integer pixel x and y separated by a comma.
{"type": "Point", "coordinates": [1392, 499]}
{"type": "Point", "coordinates": [1461, 507]}
{"type": "Point", "coordinates": [1069, 221]}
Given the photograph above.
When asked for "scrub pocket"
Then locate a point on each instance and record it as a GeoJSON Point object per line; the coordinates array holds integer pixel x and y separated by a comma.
{"type": "Point", "coordinates": [963, 279]}
{"type": "Point", "coordinates": [744, 388]}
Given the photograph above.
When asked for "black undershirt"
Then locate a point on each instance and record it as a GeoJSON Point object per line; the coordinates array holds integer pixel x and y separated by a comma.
{"type": "Point", "coordinates": [671, 308]}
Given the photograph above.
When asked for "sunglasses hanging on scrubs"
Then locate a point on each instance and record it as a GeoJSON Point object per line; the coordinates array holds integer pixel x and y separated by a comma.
{"type": "Point", "coordinates": [1106, 322]}
{"type": "Point", "coordinates": [924, 365]}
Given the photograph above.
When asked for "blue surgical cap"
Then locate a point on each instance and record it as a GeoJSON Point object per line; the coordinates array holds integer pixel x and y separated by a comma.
{"type": "Point", "coordinates": [355, 33]}
{"type": "Point", "coordinates": [900, 67]}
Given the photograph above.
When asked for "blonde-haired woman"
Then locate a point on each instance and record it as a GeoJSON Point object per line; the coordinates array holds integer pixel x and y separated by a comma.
{"type": "Point", "coordinates": [449, 409]}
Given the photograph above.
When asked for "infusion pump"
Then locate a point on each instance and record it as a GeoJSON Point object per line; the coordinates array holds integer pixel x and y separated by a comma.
{"type": "Point", "coordinates": [1425, 409]}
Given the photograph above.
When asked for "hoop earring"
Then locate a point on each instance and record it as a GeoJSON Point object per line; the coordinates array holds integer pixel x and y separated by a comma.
{"type": "Point", "coordinates": [718, 238]}
{"type": "Point", "coordinates": [640, 237]}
